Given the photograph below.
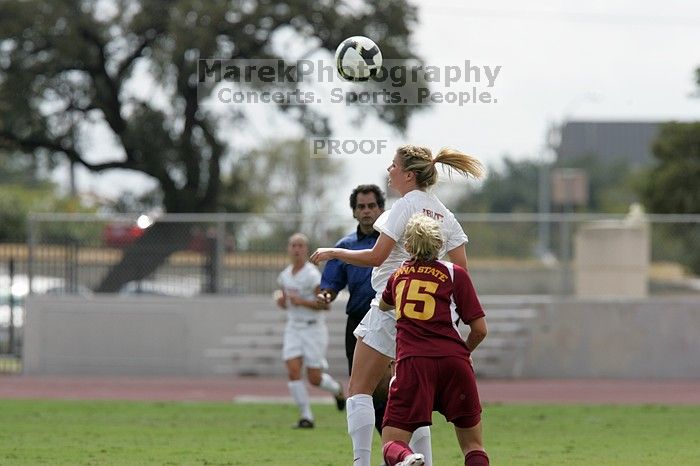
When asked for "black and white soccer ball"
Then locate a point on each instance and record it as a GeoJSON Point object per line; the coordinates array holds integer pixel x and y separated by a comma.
{"type": "Point", "coordinates": [358, 58]}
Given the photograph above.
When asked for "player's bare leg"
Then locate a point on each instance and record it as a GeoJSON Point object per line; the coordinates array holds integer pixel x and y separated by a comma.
{"type": "Point", "coordinates": [325, 382]}
{"type": "Point", "coordinates": [380, 396]}
{"type": "Point", "coordinates": [368, 367]}
{"type": "Point", "coordinates": [472, 445]}
{"type": "Point", "coordinates": [297, 389]}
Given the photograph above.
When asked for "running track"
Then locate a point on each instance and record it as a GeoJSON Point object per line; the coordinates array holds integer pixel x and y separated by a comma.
{"type": "Point", "coordinates": [248, 389]}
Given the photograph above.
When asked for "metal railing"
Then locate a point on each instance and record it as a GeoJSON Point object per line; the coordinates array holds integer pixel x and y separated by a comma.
{"type": "Point", "coordinates": [189, 254]}
{"type": "Point", "coordinates": [235, 254]}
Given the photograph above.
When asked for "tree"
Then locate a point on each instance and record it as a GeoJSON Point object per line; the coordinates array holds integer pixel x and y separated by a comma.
{"type": "Point", "coordinates": [18, 199]}
{"type": "Point", "coordinates": [511, 188]}
{"type": "Point", "coordinates": [671, 187]}
{"type": "Point", "coordinates": [611, 183]}
{"type": "Point", "coordinates": [67, 66]}
{"type": "Point", "coordinates": [672, 184]}
{"type": "Point", "coordinates": [25, 188]}
{"type": "Point", "coordinates": [514, 186]}
{"type": "Point", "coordinates": [283, 178]}
{"type": "Point", "coordinates": [19, 169]}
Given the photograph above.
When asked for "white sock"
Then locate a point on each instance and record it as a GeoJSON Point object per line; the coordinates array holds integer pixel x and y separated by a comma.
{"type": "Point", "coordinates": [360, 413]}
{"type": "Point", "coordinates": [329, 384]}
{"type": "Point", "coordinates": [297, 388]}
{"type": "Point", "coordinates": [420, 443]}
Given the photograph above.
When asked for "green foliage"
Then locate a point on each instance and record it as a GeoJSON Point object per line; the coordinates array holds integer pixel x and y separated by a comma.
{"type": "Point", "coordinates": [17, 201]}
{"type": "Point", "coordinates": [671, 186]}
{"type": "Point", "coordinates": [514, 188]}
{"type": "Point", "coordinates": [23, 189]}
{"type": "Point", "coordinates": [130, 202]}
{"type": "Point", "coordinates": [281, 177]}
{"type": "Point", "coordinates": [501, 240]}
{"type": "Point", "coordinates": [158, 433]}
{"type": "Point", "coordinates": [610, 183]}
{"type": "Point", "coordinates": [66, 66]}
{"type": "Point", "coordinates": [18, 168]}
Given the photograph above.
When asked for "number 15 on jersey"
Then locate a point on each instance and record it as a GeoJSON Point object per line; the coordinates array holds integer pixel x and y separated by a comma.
{"type": "Point", "coordinates": [419, 291]}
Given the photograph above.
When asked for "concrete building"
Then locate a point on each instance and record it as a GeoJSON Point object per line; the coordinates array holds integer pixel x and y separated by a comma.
{"type": "Point", "coordinates": [630, 141]}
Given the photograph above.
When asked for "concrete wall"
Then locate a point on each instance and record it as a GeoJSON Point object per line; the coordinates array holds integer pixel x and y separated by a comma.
{"type": "Point", "coordinates": [623, 338]}
{"type": "Point", "coordinates": [612, 259]}
{"type": "Point", "coordinates": [128, 335]}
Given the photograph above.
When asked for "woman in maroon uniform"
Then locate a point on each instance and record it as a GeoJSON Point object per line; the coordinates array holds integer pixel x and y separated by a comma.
{"type": "Point", "coordinates": [433, 362]}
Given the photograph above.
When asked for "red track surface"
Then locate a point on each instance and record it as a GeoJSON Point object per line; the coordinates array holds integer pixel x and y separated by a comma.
{"type": "Point", "coordinates": [582, 391]}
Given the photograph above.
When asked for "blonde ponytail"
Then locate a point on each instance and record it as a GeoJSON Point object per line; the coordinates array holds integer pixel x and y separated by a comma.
{"type": "Point", "coordinates": [464, 164]}
{"type": "Point", "coordinates": [419, 160]}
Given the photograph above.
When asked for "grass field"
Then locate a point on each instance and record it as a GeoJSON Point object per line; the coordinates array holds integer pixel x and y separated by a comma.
{"type": "Point", "coordinates": [157, 433]}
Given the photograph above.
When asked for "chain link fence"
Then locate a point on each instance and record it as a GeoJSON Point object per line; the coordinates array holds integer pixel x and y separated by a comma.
{"type": "Point", "coordinates": [234, 254]}
{"type": "Point", "coordinates": [190, 254]}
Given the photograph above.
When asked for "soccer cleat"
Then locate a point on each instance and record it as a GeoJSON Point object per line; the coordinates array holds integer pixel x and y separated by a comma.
{"type": "Point", "coordinates": [304, 424]}
{"type": "Point", "coordinates": [340, 400]}
{"type": "Point", "coordinates": [414, 459]}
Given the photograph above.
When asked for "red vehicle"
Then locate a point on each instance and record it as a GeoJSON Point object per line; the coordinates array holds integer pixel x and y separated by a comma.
{"type": "Point", "coordinates": [119, 235]}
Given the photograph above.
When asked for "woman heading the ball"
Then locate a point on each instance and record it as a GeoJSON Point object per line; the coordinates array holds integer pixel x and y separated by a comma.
{"type": "Point", "coordinates": [412, 172]}
{"type": "Point", "coordinates": [433, 362]}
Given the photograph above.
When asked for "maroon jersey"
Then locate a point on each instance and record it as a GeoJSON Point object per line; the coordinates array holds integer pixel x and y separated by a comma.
{"type": "Point", "coordinates": [430, 298]}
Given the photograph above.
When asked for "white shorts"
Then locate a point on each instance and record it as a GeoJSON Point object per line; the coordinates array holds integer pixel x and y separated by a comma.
{"type": "Point", "coordinates": [378, 330]}
{"type": "Point", "coordinates": [308, 341]}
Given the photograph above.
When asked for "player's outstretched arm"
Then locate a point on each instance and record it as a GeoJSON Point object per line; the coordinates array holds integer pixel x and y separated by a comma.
{"type": "Point", "coordinates": [362, 258]}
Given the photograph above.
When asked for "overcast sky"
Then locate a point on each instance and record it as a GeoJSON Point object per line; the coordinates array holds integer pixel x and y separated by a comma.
{"type": "Point", "coordinates": [603, 60]}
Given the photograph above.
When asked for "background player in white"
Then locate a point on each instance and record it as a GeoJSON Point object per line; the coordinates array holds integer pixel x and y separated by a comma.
{"type": "Point", "coordinates": [411, 173]}
{"type": "Point", "coordinates": [306, 334]}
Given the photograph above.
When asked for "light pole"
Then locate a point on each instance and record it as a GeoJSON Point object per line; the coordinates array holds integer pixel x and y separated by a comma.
{"type": "Point", "coordinates": [547, 157]}
{"type": "Point", "coordinates": [544, 203]}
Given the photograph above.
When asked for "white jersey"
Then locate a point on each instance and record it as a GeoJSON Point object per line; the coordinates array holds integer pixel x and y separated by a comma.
{"type": "Point", "coordinates": [303, 284]}
{"type": "Point", "coordinates": [393, 223]}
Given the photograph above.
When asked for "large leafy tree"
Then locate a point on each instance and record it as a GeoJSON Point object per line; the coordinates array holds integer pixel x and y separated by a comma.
{"type": "Point", "coordinates": [68, 66]}
{"type": "Point", "coordinates": [513, 187]}
{"type": "Point", "coordinates": [283, 178]}
{"type": "Point", "coordinates": [672, 184]}
{"type": "Point", "coordinates": [671, 187]}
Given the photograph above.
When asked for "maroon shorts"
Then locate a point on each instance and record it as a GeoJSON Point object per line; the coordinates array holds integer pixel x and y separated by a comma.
{"type": "Point", "coordinates": [424, 385]}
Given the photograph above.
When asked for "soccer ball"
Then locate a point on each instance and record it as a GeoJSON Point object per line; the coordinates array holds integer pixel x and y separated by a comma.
{"type": "Point", "coordinates": [358, 58]}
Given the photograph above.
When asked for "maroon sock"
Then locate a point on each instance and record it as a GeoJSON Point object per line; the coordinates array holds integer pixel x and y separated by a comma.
{"type": "Point", "coordinates": [476, 458]}
{"type": "Point", "coordinates": [395, 451]}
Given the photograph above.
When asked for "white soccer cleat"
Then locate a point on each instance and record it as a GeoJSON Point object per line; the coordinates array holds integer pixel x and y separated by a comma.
{"type": "Point", "coordinates": [414, 459]}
